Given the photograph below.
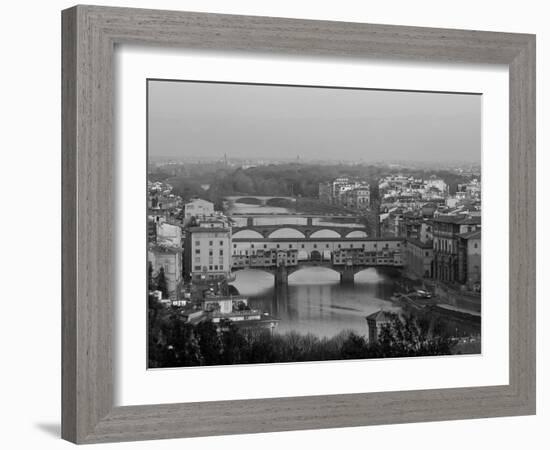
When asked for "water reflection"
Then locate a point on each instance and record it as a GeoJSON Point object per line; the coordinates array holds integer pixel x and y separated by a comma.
{"type": "Point", "coordinates": [315, 301]}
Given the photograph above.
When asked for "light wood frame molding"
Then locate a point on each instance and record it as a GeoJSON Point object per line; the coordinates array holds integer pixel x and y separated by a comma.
{"type": "Point", "coordinates": [89, 37]}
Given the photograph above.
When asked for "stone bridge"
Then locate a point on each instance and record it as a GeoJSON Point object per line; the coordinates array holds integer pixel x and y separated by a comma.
{"type": "Point", "coordinates": [285, 256]}
{"type": "Point", "coordinates": [347, 271]}
{"type": "Point", "coordinates": [260, 199]}
{"type": "Point", "coordinates": [305, 231]}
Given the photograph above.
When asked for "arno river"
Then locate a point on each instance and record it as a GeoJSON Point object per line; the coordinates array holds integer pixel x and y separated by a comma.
{"type": "Point", "coordinates": [315, 301]}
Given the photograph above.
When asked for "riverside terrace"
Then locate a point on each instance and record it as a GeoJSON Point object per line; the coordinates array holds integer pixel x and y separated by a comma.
{"type": "Point", "coordinates": [283, 256]}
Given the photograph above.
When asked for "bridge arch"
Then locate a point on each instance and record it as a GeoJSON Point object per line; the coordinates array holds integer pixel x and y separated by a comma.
{"type": "Point", "coordinates": [316, 255]}
{"type": "Point", "coordinates": [368, 275]}
{"type": "Point", "coordinates": [248, 200]}
{"type": "Point", "coordinates": [295, 273]}
{"type": "Point", "coordinates": [248, 233]}
{"type": "Point", "coordinates": [286, 232]}
{"type": "Point", "coordinates": [325, 233]}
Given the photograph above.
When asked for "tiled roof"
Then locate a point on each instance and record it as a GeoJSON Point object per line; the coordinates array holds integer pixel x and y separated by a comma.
{"type": "Point", "coordinates": [458, 219]}
{"type": "Point", "coordinates": [208, 230]}
{"type": "Point", "coordinates": [476, 234]}
{"type": "Point", "coordinates": [380, 316]}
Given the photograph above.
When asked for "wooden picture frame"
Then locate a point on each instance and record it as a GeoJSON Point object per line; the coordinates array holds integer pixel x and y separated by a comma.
{"type": "Point", "coordinates": [89, 37]}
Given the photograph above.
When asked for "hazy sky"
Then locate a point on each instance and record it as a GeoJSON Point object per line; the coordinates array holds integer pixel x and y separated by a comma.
{"type": "Point", "coordinates": [266, 121]}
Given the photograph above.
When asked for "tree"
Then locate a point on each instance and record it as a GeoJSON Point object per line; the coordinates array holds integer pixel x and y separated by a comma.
{"type": "Point", "coordinates": [209, 341]}
{"type": "Point", "coordinates": [354, 347]}
{"type": "Point", "coordinates": [150, 285]}
{"type": "Point", "coordinates": [162, 284]}
{"type": "Point", "coordinates": [234, 345]}
{"type": "Point", "coordinates": [409, 337]}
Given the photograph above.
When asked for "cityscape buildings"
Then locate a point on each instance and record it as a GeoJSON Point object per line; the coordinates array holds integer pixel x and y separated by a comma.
{"type": "Point", "coordinates": [434, 235]}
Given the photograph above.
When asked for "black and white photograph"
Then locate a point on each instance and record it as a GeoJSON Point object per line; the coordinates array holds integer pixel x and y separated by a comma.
{"type": "Point", "coordinates": [303, 223]}
{"type": "Point", "coordinates": [292, 224]}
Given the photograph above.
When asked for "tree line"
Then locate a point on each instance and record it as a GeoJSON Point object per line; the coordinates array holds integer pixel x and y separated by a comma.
{"type": "Point", "coordinates": [296, 180]}
{"type": "Point", "coordinates": [173, 342]}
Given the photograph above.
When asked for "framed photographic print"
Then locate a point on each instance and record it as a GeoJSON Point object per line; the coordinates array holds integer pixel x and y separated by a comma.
{"type": "Point", "coordinates": [278, 224]}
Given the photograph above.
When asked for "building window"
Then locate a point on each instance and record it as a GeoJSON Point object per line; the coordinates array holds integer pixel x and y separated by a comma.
{"type": "Point", "coordinates": [198, 259]}
{"type": "Point", "coordinates": [251, 245]}
{"type": "Point", "coordinates": [210, 268]}
{"type": "Point", "coordinates": [221, 252]}
{"type": "Point", "coordinates": [197, 267]}
{"type": "Point", "coordinates": [278, 245]}
{"type": "Point", "coordinates": [197, 243]}
{"type": "Point", "coordinates": [289, 245]}
{"type": "Point", "coordinates": [234, 245]}
{"type": "Point", "coordinates": [398, 244]}
{"type": "Point", "coordinates": [210, 243]}
{"type": "Point", "coordinates": [475, 245]}
{"type": "Point", "coordinates": [221, 243]}
{"type": "Point", "coordinates": [210, 253]}
{"type": "Point", "coordinates": [197, 251]}
{"type": "Point", "coordinates": [303, 246]}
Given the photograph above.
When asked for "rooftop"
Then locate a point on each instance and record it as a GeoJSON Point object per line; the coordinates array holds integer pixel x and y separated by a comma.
{"type": "Point", "coordinates": [165, 249]}
{"type": "Point", "coordinates": [458, 219]}
{"type": "Point", "coordinates": [381, 316]}
{"type": "Point", "coordinates": [195, 230]}
{"type": "Point", "coordinates": [476, 234]}
{"type": "Point", "coordinates": [420, 244]}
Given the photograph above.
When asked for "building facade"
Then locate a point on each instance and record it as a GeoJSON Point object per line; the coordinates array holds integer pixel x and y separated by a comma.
{"type": "Point", "coordinates": [198, 208]}
{"type": "Point", "coordinates": [419, 257]}
{"type": "Point", "coordinates": [373, 213]}
{"type": "Point", "coordinates": [469, 259]}
{"type": "Point", "coordinates": [208, 253]}
{"type": "Point", "coordinates": [447, 245]}
{"type": "Point", "coordinates": [170, 259]}
{"type": "Point", "coordinates": [357, 198]}
{"type": "Point", "coordinates": [375, 322]}
{"type": "Point", "coordinates": [260, 258]}
{"type": "Point", "coordinates": [169, 234]}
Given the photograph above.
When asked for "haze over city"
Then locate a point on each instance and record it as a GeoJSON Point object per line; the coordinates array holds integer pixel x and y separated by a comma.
{"type": "Point", "coordinates": [287, 122]}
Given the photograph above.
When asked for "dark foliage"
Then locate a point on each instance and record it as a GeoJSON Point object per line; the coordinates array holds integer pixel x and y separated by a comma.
{"type": "Point", "coordinates": [161, 283]}
{"type": "Point", "coordinates": [298, 180]}
{"type": "Point", "coordinates": [175, 343]}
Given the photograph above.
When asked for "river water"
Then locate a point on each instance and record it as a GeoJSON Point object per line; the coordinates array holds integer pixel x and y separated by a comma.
{"type": "Point", "coordinates": [314, 301]}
